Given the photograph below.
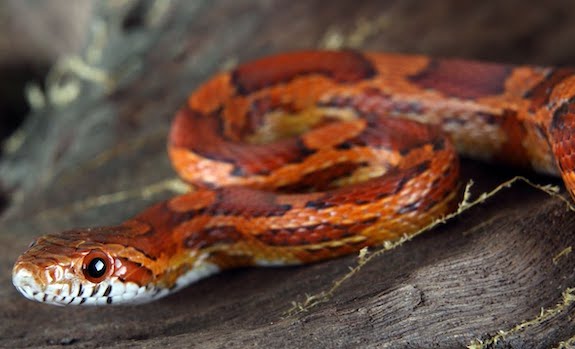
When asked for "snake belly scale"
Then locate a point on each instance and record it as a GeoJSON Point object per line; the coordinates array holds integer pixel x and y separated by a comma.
{"type": "Point", "coordinates": [305, 156]}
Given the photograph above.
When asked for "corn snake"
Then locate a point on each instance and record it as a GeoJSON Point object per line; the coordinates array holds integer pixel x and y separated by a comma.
{"type": "Point", "coordinates": [306, 156]}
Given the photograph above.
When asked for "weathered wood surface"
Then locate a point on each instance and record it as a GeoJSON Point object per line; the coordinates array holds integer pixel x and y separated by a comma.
{"type": "Point", "coordinates": [497, 267]}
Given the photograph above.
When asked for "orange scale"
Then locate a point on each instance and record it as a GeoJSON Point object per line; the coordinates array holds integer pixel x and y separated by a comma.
{"type": "Point", "coordinates": [212, 94]}
{"type": "Point", "coordinates": [192, 201]}
{"type": "Point", "coordinates": [333, 134]}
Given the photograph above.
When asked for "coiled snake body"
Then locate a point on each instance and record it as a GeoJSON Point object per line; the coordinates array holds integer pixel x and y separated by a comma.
{"type": "Point", "coordinates": [306, 156]}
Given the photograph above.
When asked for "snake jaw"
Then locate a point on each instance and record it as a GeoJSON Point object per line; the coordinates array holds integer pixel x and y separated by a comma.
{"type": "Point", "coordinates": [64, 287]}
{"type": "Point", "coordinates": [26, 283]}
{"type": "Point", "coordinates": [55, 285]}
{"type": "Point", "coordinates": [69, 290]}
{"type": "Point", "coordinates": [94, 274]}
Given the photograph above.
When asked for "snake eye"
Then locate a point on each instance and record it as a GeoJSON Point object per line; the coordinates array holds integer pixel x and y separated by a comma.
{"type": "Point", "coordinates": [96, 266]}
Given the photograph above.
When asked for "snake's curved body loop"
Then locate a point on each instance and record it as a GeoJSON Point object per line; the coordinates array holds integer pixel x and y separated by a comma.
{"type": "Point", "coordinates": [306, 156]}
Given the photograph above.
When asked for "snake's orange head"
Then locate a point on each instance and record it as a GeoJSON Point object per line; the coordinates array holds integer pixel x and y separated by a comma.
{"type": "Point", "coordinates": [88, 267]}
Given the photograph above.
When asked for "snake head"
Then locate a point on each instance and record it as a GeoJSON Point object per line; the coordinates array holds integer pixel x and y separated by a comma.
{"type": "Point", "coordinates": [87, 267]}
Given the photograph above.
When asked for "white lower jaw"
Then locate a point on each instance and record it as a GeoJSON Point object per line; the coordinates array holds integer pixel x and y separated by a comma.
{"type": "Point", "coordinates": [73, 293]}
{"type": "Point", "coordinates": [199, 271]}
{"type": "Point", "coordinates": [112, 292]}
{"type": "Point", "coordinates": [88, 297]}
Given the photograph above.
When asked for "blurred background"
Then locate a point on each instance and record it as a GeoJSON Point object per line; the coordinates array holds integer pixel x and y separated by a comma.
{"type": "Point", "coordinates": [34, 35]}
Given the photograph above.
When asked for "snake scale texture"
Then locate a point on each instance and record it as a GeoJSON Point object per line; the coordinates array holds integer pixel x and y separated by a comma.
{"type": "Point", "coordinates": [305, 156]}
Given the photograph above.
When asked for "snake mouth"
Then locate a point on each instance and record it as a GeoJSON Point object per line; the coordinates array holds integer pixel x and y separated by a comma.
{"type": "Point", "coordinates": [58, 293]}
{"type": "Point", "coordinates": [60, 286]}
{"type": "Point", "coordinates": [73, 292]}
{"type": "Point", "coordinates": [26, 284]}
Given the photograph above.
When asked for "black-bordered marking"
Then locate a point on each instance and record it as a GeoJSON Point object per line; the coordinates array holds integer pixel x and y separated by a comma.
{"type": "Point", "coordinates": [340, 66]}
{"type": "Point", "coordinates": [463, 79]}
